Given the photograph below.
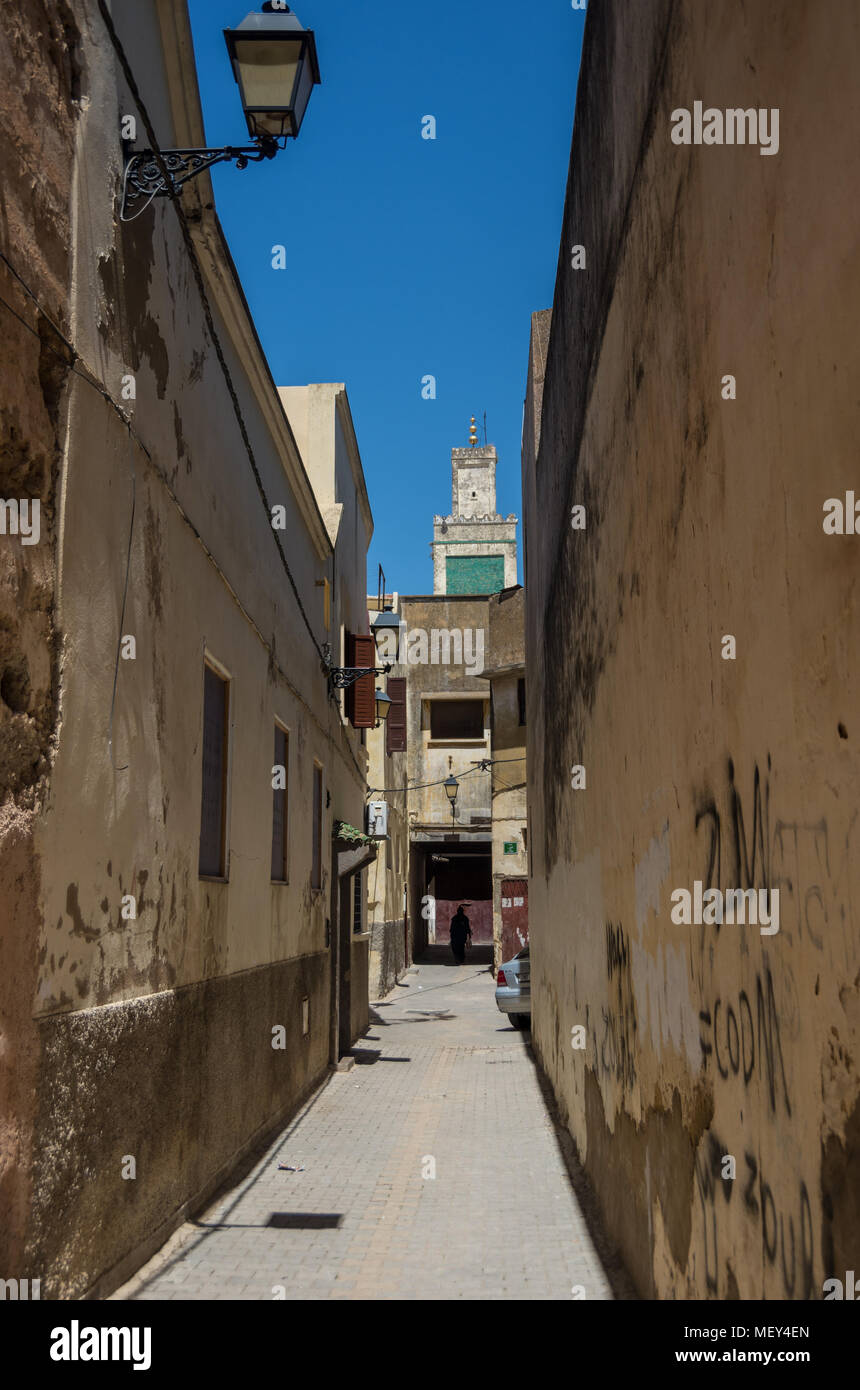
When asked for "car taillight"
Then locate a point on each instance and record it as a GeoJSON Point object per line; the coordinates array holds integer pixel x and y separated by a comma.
{"type": "Point", "coordinates": [501, 980]}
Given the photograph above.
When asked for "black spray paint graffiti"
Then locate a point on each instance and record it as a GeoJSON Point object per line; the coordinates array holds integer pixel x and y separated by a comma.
{"type": "Point", "coordinates": [743, 1043]}
{"type": "Point", "coordinates": [800, 859]}
{"type": "Point", "coordinates": [617, 950]}
{"type": "Point", "coordinates": [747, 863]}
{"type": "Point", "coordinates": [813, 873]}
{"type": "Point", "coordinates": [783, 1242]}
{"type": "Point", "coordinates": [614, 1035]}
{"type": "Point", "coordinates": [742, 1035]}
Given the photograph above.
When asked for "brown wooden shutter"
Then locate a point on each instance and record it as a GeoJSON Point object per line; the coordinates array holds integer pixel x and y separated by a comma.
{"type": "Point", "coordinates": [361, 695]}
{"type": "Point", "coordinates": [395, 724]}
{"type": "Point", "coordinates": [214, 797]}
{"type": "Point", "coordinates": [279, 811]}
{"type": "Point", "coordinates": [317, 824]}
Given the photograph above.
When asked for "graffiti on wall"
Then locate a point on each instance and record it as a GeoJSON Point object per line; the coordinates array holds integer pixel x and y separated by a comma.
{"type": "Point", "coordinates": [746, 1034]}
{"type": "Point", "coordinates": [616, 1049]}
{"type": "Point", "coordinates": [744, 1038]}
{"type": "Point", "coordinates": [802, 859]}
{"type": "Point", "coordinates": [784, 1220]}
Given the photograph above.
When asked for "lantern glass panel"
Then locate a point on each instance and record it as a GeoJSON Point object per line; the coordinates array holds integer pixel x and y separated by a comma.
{"type": "Point", "coordinates": [303, 94]}
{"type": "Point", "coordinates": [267, 70]}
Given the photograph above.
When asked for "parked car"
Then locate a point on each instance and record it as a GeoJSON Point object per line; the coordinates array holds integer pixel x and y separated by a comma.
{"type": "Point", "coordinates": [514, 990]}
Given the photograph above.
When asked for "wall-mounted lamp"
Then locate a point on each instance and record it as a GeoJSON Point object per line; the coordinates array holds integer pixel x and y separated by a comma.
{"type": "Point", "coordinates": [383, 705]}
{"type": "Point", "coordinates": [452, 786]}
{"type": "Point", "coordinates": [385, 622]}
{"type": "Point", "coordinates": [275, 65]}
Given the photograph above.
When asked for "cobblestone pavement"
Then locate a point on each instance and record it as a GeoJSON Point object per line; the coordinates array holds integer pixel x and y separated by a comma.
{"type": "Point", "coordinates": [442, 1083]}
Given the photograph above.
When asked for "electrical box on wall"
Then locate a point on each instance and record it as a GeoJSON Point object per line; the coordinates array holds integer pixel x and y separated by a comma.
{"type": "Point", "coordinates": [377, 819]}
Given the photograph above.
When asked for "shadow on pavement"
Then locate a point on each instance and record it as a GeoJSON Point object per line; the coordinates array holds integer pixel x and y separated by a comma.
{"type": "Point", "coordinates": [607, 1251]}
{"type": "Point", "coordinates": [443, 955]}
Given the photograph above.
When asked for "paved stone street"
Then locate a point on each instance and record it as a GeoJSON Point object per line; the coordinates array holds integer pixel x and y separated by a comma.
{"type": "Point", "coordinates": [441, 1079]}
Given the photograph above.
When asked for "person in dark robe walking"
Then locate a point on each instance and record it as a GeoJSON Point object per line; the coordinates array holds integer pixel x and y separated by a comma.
{"type": "Point", "coordinates": [460, 932]}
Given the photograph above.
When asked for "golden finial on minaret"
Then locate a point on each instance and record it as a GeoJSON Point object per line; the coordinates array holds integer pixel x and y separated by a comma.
{"type": "Point", "coordinates": [473, 435]}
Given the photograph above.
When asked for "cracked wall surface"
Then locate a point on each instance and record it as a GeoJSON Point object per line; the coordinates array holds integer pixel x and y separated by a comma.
{"type": "Point", "coordinates": [43, 83]}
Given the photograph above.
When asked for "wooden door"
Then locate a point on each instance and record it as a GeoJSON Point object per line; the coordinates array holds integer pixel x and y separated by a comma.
{"type": "Point", "coordinates": [515, 916]}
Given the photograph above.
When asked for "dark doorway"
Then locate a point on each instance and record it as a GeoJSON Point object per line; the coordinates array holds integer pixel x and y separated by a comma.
{"type": "Point", "coordinates": [452, 872]}
{"type": "Point", "coordinates": [463, 875]}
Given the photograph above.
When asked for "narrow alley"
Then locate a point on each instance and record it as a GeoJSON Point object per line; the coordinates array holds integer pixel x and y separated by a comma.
{"type": "Point", "coordinates": [429, 587]}
{"type": "Point", "coordinates": [442, 1084]}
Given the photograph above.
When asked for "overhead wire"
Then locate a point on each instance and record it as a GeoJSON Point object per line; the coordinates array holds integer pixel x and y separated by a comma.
{"type": "Point", "coordinates": [483, 766]}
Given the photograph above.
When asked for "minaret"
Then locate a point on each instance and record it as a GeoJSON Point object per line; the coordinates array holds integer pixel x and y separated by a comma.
{"type": "Point", "coordinates": [474, 549]}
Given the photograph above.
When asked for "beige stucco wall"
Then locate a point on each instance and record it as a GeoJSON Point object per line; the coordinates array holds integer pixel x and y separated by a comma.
{"type": "Point", "coordinates": [704, 519]}
{"type": "Point", "coordinates": [388, 876]}
{"type": "Point", "coordinates": [430, 760]}
{"type": "Point", "coordinates": [509, 795]}
{"type": "Point", "coordinates": [506, 634]}
{"type": "Point", "coordinates": [154, 1034]}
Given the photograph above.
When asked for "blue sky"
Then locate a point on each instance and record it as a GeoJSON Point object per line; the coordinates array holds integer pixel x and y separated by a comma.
{"type": "Point", "coordinates": [405, 256]}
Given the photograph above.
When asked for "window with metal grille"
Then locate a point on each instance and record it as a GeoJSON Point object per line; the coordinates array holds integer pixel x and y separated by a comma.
{"type": "Point", "coordinates": [213, 810]}
{"type": "Point", "coordinates": [456, 719]}
{"type": "Point", "coordinates": [357, 899]}
{"type": "Point", "coordinates": [280, 867]}
{"type": "Point", "coordinates": [316, 853]}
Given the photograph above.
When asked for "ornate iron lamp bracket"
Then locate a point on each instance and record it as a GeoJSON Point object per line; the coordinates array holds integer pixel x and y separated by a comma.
{"type": "Point", "coordinates": [144, 178]}
{"type": "Point", "coordinates": [341, 677]}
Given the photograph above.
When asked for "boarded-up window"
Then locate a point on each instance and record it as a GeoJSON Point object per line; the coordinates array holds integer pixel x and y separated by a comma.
{"type": "Point", "coordinates": [213, 811]}
{"type": "Point", "coordinates": [395, 724]}
{"type": "Point", "coordinates": [280, 776]}
{"type": "Point", "coordinates": [521, 699]}
{"type": "Point", "coordinates": [316, 852]}
{"type": "Point", "coordinates": [456, 719]}
{"type": "Point", "coordinates": [357, 903]}
{"type": "Point", "coordinates": [361, 695]}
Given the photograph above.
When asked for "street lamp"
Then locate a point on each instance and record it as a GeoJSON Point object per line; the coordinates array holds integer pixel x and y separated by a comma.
{"type": "Point", "coordinates": [452, 786]}
{"type": "Point", "coordinates": [387, 624]}
{"type": "Point", "coordinates": [275, 65]}
{"type": "Point", "coordinates": [383, 705]}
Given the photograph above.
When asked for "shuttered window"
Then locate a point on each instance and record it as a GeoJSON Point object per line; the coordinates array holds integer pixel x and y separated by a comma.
{"type": "Point", "coordinates": [280, 872]}
{"type": "Point", "coordinates": [213, 811]}
{"type": "Point", "coordinates": [395, 724]}
{"type": "Point", "coordinates": [316, 851]}
{"type": "Point", "coordinates": [361, 695]}
{"type": "Point", "coordinates": [357, 902]}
